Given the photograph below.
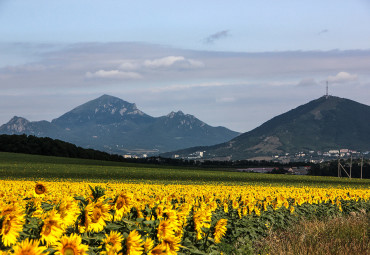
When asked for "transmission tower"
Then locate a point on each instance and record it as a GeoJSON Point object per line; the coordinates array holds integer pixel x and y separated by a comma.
{"type": "Point", "coordinates": [327, 90]}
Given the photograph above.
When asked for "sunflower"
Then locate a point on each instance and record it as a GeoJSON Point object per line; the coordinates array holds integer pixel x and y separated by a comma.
{"type": "Point", "coordinates": [226, 208]}
{"type": "Point", "coordinates": [27, 247]}
{"type": "Point", "coordinates": [165, 228]}
{"type": "Point", "coordinates": [220, 230]}
{"type": "Point", "coordinates": [235, 204]}
{"type": "Point", "coordinates": [68, 210]}
{"type": "Point", "coordinates": [97, 213]}
{"type": "Point", "coordinates": [174, 219]}
{"type": "Point", "coordinates": [71, 246]}
{"type": "Point", "coordinates": [123, 205]}
{"type": "Point", "coordinates": [52, 229]}
{"type": "Point", "coordinates": [134, 243]}
{"type": "Point", "coordinates": [113, 241]}
{"type": "Point", "coordinates": [12, 208]}
{"type": "Point", "coordinates": [40, 188]}
{"type": "Point", "coordinates": [11, 227]}
{"type": "Point", "coordinates": [110, 251]}
{"type": "Point", "coordinates": [201, 220]}
{"type": "Point", "coordinates": [148, 244]}
{"type": "Point", "coordinates": [160, 249]}
{"type": "Point", "coordinates": [172, 244]}
{"type": "Point", "coordinates": [257, 211]}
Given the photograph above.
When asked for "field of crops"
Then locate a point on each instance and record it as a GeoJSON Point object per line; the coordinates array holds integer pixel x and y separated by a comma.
{"type": "Point", "coordinates": [33, 167]}
{"type": "Point", "coordinates": [110, 218]}
{"type": "Point", "coordinates": [132, 216]}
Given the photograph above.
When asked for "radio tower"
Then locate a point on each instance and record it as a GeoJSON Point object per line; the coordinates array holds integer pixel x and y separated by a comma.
{"type": "Point", "coordinates": [327, 90]}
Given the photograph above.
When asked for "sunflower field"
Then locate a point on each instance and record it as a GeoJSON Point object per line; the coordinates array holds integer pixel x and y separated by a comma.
{"type": "Point", "coordinates": [66, 217]}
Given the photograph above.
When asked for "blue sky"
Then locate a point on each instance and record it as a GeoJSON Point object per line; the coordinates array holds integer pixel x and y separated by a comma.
{"type": "Point", "coordinates": [251, 25]}
{"type": "Point", "coordinates": [229, 63]}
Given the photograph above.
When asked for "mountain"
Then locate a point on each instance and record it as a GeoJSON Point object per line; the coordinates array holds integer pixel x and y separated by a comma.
{"type": "Point", "coordinates": [19, 125]}
{"type": "Point", "coordinates": [104, 110]}
{"type": "Point", "coordinates": [113, 125]}
{"type": "Point", "coordinates": [179, 128]}
{"type": "Point", "coordinates": [320, 125]}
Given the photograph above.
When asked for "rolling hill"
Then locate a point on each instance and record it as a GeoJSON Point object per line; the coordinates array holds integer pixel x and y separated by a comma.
{"type": "Point", "coordinates": [322, 124]}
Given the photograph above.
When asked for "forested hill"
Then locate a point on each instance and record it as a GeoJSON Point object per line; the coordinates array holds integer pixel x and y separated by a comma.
{"type": "Point", "coordinates": [50, 147]}
{"type": "Point", "coordinates": [29, 144]}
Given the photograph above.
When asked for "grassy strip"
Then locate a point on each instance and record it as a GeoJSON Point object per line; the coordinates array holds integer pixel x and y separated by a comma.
{"type": "Point", "coordinates": [34, 167]}
{"type": "Point", "coordinates": [340, 235]}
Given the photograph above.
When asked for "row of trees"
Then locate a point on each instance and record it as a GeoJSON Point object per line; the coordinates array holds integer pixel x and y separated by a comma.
{"type": "Point", "coordinates": [330, 168]}
{"type": "Point", "coordinates": [50, 147]}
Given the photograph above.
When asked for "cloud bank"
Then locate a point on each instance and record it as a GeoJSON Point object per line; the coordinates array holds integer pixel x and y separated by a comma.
{"type": "Point", "coordinates": [236, 90]}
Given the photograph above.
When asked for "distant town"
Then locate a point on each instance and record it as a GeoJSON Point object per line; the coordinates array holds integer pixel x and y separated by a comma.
{"type": "Point", "coordinates": [314, 157]}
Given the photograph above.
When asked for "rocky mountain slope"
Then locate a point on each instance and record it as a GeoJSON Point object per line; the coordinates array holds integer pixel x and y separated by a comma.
{"type": "Point", "coordinates": [113, 125]}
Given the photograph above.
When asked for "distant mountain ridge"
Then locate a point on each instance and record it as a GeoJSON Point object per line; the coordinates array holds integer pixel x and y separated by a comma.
{"type": "Point", "coordinates": [322, 124]}
{"type": "Point", "coordinates": [113, 125]}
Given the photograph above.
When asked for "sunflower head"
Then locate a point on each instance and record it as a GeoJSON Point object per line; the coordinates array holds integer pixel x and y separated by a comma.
{"type": "Point", "coordinates": [40, 188]}
{"type": "Point", "coordinates": [160, 249]}
{"type": "Point", "coordinates": [11, 226]}
{"type": "Point", "coordinates": [134, 243]}
{"type": "Point", "coordinates": [97, 213]}
{"type": "Point", "coordinates": [172, 244]}
{"type": "Point", "coordinates": [148, 244]}
{"type": "Point", "coordinates": [52, 228]}
{"type": "Point", "coordinates": [220, 230]}
{"type": "Point", "coordinates": [113, 241]}
{"type": "Point", "coordinates": [28, 247]}
{"type": "Point", "coordinates": [71, 245]}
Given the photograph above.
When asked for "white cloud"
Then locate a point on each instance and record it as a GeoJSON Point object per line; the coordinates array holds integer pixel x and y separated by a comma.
{"type": "Point", "coordinates": [113, 74]}
{"type": "Point", "coordinates": [195, 63]}
{"type": "Point", "coordinates": [163, 62]}
{"type": "Point", "coordinates": [129, 65]}
{"type": "Point", "coordinates": [342, 77]}
{"type": "Point", "coordinates": [179, 61]}
{"type": "Point", "coordinates": [307, 82]}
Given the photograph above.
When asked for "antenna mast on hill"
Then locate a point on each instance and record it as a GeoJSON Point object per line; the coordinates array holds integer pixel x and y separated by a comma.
{"type": "Point", "coordinates": [327, 90]}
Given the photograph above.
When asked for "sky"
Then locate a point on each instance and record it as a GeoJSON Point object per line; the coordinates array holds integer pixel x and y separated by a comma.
{"type": "Point", "coordinates": [229, 63]}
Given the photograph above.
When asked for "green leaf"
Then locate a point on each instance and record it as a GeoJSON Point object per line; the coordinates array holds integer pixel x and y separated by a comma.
{"type": "Point", "coordinates": [149, 222]}
{"type": "Point", "coordinates": [205, 230]}
{"type": "Point", "coordinates": [196, 251]}
{"type": "Point", "coordinates": [129, 222]}
{"type": "Point", "coordinates": [46, 206]}
{"type": "Point", "coordinates": [112, 226]}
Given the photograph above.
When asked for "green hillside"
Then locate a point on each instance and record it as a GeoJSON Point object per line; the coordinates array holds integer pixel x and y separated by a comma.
{"type": "Point", "coordinates": [320, 125]}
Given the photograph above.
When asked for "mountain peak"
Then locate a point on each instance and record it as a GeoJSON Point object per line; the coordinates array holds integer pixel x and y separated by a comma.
{"type": "Point", "coordinates": [16, 125]}
{"type": "Point", "coordinates": [106, 97]}
{"type": "Point", "coordinates": [105, 109]}
{"type": "Point", "coordinates": [17, 119]}
{"type": "Point", "coordinates": [175, 114]}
